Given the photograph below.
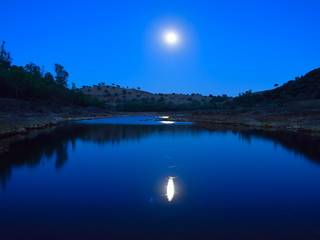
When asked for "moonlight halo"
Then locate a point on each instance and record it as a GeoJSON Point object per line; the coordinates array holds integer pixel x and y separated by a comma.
{"type": "Point", "coordinates": [171, 38]}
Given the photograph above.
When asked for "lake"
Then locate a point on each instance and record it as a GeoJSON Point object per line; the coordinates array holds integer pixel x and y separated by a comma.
{"type": "Point", "coordinates": [144, 177]}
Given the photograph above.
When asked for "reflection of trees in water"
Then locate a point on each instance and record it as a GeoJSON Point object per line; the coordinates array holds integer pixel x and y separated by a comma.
{"type": "Point", "coordinates": [31, 152]}
{"type": "Point", "coordinates": [301, 144]}
{"type": "Point", "coordinates": [56, 144]}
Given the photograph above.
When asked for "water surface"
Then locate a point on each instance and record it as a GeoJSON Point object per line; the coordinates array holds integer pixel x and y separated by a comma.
{"type": "Point", "coordinates": [140, 178]}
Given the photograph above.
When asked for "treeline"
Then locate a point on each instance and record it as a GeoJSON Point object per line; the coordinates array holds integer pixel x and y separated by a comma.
{"type": "Point", "coordinates": [152, 104]}
{"type": "Point", "coordinates": [30, 82]}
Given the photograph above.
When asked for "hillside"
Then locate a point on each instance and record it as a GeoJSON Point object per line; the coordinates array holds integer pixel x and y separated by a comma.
{"type": "Point", "coordinates": [294, 106]}
{"type": "Point", "coordinates": [304, 88]}
{"type": "Point", "coordinates": [130, 99]}
{"type": "Point", "coordinates": [302, 92]}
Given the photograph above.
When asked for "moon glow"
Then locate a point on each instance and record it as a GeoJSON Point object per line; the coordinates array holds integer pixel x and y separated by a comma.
{"type": "Point", "coordinates": [171, 38]}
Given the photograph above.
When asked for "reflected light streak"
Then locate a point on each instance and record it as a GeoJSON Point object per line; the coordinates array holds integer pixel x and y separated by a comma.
{"type": "Point", "coordinates": [170, 189]}
{"type": "Point", "coordinates": [164, 117]}
{"type": "Point", "coordinates": [167, 122]}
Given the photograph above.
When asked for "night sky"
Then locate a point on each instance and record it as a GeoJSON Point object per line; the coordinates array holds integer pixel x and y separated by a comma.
{"type": "Point", "coordinates": [226, 47]}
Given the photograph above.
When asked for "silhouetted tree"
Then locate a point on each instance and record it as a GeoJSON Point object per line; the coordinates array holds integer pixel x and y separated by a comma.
{"type": "Point", "coordinates": [5, 58]}
{"type": "Point", "coordinates": [61, 75]}
{"type": "Point", "coordinates": [33, 69]}
{"type": "Point", "coordinates": [49, 77]}
{"type": "Point", "coordinates": [31, 82]}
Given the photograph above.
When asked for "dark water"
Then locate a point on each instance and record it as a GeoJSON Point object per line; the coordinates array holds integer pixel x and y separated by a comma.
{"type": "Point", "coordinates": [108, 179]}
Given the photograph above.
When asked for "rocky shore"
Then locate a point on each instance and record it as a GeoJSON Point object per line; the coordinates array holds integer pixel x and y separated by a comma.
{"type": "Point", "coordinates": [22, 119]}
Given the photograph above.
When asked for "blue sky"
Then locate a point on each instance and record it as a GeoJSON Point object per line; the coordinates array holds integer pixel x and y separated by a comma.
{"type": "Point", "coordinates": [226, 47]}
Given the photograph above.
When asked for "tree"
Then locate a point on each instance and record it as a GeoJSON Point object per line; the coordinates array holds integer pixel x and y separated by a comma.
{"type": "Point", "coordinates": [33, 69]}
{"type": "Point", "coordinates": [73, 86]}
{"type": "Point", "coordinates": [5, 58]}
{"type": "Point", "coordinates": [29, 83]}
{"type": "Point", "coordinates": [48, 77]}
{"type": "Point", "coordinates": [61, 75]}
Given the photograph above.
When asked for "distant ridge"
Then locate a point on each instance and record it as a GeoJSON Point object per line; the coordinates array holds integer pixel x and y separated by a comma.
{"type": "Point", "coordinates": [302, 88]}
{"type": "Point", "coordinates": [136, 99]}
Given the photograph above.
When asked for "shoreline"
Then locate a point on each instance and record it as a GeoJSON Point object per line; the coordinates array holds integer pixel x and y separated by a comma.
{"type": "Point", "coordinates": [16, 128]}
{"type": "Point", "coordinates": [13, 129]}
{"type": "Point", "coordinates": [290, 122]}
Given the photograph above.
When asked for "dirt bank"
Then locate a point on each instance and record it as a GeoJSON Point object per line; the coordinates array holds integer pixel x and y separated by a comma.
{"type": "Point", "coordinates": [289, 121]}
{"type": "Point", "coordinates": [20, 119]}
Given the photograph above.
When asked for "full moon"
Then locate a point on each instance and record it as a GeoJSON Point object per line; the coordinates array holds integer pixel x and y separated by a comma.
{"type": "Point", "coordinates": [171, 38]}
